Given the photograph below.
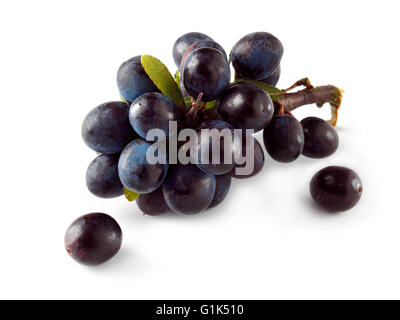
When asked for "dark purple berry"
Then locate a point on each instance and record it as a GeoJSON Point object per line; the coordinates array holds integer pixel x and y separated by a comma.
{"type": "Point", "coordinates": [257, 55]}
{"type": "Point", "coordinates": [185, 94]}
{"type": "Point", "coordinates": [284, 138]}
{"type": "Point", "coordinates": [153, 203]}
{"type": "Point", "coordinates": [134, 170]}
{"type": "Point", "coordinates": [245, 106]}
{"type": "Point", "coordinates": [187, 189]}
{"type": "Point", "coordinates": [222, 185]}
{"type": "Point", "coordinates": [184, 42]}
{"type": "Point", "coordinates": [93, 239]}
{"type": "Point", "coordinates": [102, 176]}
{"type": "Point", "coordinates": [257, 155]}
{"type": "Point", "coordinates": [106, 129]}
{"type": "Point", "coordinates": [204, 44]}
{"type": "Point", "coordinates": [272, 79]}
{"type": "Point", "coordinates": [153, 111]}
{"type": "Point", "coordinates": [215, 162]}
{"type": "Point", "coordinates": [320, 138]}
{"type": "Point", "coordinates": [133, 80]}
{"type": "Point", "coordinates": [205, 71]}
{"type": "Point", "coordinates": [336, 188]}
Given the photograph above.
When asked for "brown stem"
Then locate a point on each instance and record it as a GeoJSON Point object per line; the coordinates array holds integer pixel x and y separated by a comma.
{"type": "Point", "coordinates": [302, 82]}
{"type": "Point", "coordinates": [319, 95]}
{"type": "Point", "coordinates": [193, 115]}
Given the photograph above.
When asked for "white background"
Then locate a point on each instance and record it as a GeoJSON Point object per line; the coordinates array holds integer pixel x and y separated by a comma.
{"type": "Point", "coordinates": [59, 60]}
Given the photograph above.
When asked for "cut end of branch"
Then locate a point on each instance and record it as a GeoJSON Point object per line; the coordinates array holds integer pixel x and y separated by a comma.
{"type": "Point", "coordinates": [335, 105]}
{"type": "Point", "coordinates": [310, 95]}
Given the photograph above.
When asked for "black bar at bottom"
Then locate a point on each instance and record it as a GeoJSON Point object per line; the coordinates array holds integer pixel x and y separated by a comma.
{"type": "Point", "coordinates": [206, 309]}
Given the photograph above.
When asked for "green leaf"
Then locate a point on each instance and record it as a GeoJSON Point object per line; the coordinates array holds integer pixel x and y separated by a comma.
{"type": "Point", "coordinates": [162, 78]}
{"type": "Point", "coordinates": [187, 102]}
{"type": "Point", "coordinates": [211, 104]}
{"type": "Point", "coordinates": [130, 195]}
{"type": "Point", "coordinates": [123, 100]}
{"type": "Point", "coordinates": [272, 91]}
{"type": "Point", "coordinates": [176, 76]}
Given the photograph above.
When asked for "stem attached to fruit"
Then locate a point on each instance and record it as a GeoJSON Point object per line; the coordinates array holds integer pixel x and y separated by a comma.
{"type": "Point", "coordinates": [194, 113]}
{"type": "Point", "coordinates": [319, 95]}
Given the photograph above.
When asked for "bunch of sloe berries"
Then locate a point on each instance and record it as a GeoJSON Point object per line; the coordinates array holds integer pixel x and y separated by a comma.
{"type": "Point", "coordinates": [201, 95]}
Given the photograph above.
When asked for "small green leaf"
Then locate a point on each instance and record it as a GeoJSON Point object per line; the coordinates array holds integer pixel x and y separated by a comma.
{"type": "Point", "coordinates": [188, 100]}
{"type": "Point", "coordinates": [130, 195]}
{"type": "Point", "coordinates": [176, 76]}
{"type": "Point", "coordinates": [162, 78]}
{"type": "Point", "coordinates": [272, 91]}
{"type": "Point", "coordinates": [211, 104]}
{"type": "Point", "coordinates": [123, 100]}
